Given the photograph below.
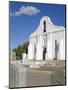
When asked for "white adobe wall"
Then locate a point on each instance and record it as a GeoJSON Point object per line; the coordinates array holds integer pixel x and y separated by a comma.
{"type": "Point", "coordinates": [31, 50]}
{"type": "Point", "coordinates": [49, 26]}
{"type": "Point", "coordinates": [49, 46]}
{"type": "Point", "coordinates": [51, 37]}
{"type": "Point", "coordinates": [60, 37]}
{"type": "Point", "coordinates": [62, 47]}
{"type": "Point", "coordinates": [39, 52]}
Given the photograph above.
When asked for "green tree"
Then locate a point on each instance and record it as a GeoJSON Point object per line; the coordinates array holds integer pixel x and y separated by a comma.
{"type": "Point", "coordinates": [21, 49]}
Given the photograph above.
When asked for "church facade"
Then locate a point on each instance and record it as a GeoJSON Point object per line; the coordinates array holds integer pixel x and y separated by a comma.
{"type": "Point", "coordinates": [47, 42]}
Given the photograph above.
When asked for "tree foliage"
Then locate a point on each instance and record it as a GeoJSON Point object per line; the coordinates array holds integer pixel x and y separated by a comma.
{"type": "Point", "coordinates": [21, 49]}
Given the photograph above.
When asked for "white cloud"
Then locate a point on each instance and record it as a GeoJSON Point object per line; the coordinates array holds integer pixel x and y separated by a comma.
{"type": "Point", "coordinates": [27, 10]}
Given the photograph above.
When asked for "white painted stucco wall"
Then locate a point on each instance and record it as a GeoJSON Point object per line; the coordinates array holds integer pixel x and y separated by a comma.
{"type": "Point", "coordinates": [60, 37]}
{"type": "Point", "coordinates": [52, 33]}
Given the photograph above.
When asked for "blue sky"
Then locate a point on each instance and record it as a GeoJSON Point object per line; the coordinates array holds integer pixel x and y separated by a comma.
{"type": "Point", "coordinates": [25, 17]}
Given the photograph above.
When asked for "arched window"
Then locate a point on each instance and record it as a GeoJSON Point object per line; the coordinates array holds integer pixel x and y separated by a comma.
{"type": "Point", "coordinates": [44, 26]}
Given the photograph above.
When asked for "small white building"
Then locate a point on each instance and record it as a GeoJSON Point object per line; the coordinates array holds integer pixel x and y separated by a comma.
{"type": "Point", "coordinates": [47, 42]}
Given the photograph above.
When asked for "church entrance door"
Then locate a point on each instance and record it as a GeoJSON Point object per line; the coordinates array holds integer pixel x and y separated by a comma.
{"type": "Point", "coordinates": [56, 49]}
{"type": "Point", "coordinates": [44, 53]}
{"type": "Point", "coordinates": [34, 52]}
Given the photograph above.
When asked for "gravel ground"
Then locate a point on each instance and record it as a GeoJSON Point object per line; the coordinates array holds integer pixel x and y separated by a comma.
{"type": "Point", "coordinates": [53, 73]}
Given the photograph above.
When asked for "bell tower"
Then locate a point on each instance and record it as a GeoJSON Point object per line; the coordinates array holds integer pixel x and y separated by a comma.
{"type": "Point", "coordinates": [44, 26]}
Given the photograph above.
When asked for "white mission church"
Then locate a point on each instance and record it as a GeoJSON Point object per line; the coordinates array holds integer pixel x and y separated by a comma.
{"type": "Point", "coordinates": [47, 42]}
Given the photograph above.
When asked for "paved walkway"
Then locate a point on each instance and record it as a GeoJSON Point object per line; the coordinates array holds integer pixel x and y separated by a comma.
{"type": "Point", "coordinates": [24, 76]}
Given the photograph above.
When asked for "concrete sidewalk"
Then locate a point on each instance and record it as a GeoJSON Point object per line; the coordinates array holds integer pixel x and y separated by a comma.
{"type": "Point", "coordinates": [49, 74]}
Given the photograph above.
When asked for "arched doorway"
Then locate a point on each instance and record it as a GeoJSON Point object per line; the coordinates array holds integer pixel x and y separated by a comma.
{"type": "Point", "coordinates": [44, 53]}
{"type": "Point", "coordinates": [34, 51]}
{"type": "Point", "coordinates": [56, 49]}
